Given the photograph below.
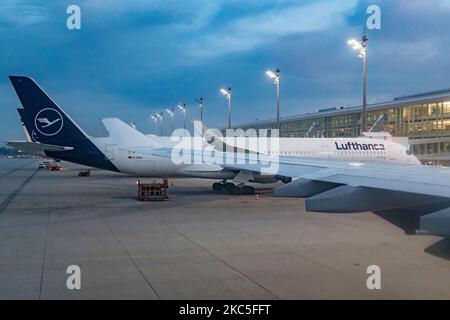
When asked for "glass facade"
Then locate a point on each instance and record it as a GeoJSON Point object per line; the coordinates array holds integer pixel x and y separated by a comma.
{"type": "Point", "coordinates": [425, 120]}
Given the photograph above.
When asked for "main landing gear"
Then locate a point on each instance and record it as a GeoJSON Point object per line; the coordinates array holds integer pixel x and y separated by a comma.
{"type": "Point", "coordinates": [240, 189]}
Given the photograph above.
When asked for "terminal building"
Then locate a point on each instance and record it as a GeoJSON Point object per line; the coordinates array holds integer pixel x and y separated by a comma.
{"type": "Point", "coordinates": [423, 118]}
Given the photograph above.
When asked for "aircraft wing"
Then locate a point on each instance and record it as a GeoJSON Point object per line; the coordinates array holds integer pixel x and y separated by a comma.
{"type": "Point", "coordinates": [36, 148]}
{"type": "Point", "coordinates": [429, 180]}
{"type": "Point", "coordinates": [339, 186]}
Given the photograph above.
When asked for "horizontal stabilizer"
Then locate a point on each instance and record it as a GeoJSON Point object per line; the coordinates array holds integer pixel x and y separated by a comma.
{"type": "Point", "coordinates": [36, 147]}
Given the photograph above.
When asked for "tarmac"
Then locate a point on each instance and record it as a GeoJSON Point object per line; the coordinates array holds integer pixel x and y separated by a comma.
{"type": "Point", "coordinates": [198, 245]}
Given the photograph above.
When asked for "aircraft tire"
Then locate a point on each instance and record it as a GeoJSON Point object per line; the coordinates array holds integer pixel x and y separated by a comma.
{"type": "Point", "coordinates": [237, 191]}
{"type": "Point", "coordinates": [218, 186]}
{"type": "Point", "coordinates": [248, 190]}
{"type": "Point", "coordinates": [228, 186]}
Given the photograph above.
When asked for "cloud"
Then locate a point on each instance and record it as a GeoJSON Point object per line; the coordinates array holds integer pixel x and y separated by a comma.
{"type": "Point", "coordinates": [192, 14]}
{"type": "Point", "coordinates": [419, 6]}
{"type": "Point", "coordinates": [22, 13]}
{"type": "Point", "coordinates": [250, 32]}
{"type": "Point", "coordinates": [419, 51]}
{"type": "Point", "coordinates": [133, 58]}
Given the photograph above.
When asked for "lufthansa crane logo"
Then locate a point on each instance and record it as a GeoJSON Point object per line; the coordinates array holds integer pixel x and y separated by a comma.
{"type": "Point", "coordinates": [48, 122]}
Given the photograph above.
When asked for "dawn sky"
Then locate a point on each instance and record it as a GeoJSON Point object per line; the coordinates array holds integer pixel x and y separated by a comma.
{"type": "Point", "coordinates": [133, 58]}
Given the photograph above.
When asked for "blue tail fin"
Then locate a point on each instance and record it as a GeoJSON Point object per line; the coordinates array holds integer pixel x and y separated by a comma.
{"type": "Point", "coordinates": [42, 116]}
{"type": "Point", "coordinates": [47, 123]}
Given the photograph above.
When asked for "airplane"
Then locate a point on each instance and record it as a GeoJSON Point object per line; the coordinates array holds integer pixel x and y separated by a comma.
{"type": "Point", "coordinates": [54, 134]}
{"type": "Point", "coordinates": [342, 175]}
{"type": "Point", "coordinates": [419, 193]}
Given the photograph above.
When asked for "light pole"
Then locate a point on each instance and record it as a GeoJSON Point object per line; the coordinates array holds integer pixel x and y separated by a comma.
{"type": "Point", "coordinates": [275, 76]}
{"type": "Point", "coordinates": [171, 112]}
{"type": "Point", "coordinates": [361, 46]}
{"type": "Point", "coordinates": [200, 104]}
{"type": "Point", "coordinates": [227, 94]}
{"type": "Point", "coordinates": [182, 107]}
{"type": "Point", "coordinates": [155, 119]}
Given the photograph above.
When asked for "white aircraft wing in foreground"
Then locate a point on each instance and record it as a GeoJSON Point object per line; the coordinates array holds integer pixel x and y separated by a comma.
{"type": "Point", "coordinates": [339, 186]}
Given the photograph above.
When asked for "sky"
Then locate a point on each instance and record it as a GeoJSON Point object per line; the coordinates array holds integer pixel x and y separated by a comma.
{"type": "Point", "coordinates": [134, 58]}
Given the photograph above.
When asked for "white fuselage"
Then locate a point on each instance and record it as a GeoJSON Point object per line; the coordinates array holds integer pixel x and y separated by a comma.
{"type": "Point", "coordinates": [354, 149]}
{"type": "Point", "coordinates": [138, 160]}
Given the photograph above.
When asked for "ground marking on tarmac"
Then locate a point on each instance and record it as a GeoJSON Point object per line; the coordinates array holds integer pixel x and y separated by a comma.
{"type": "Point", "coordinates": [13, 170]}
{"type": "Point", "coordinates": [15, 193]}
